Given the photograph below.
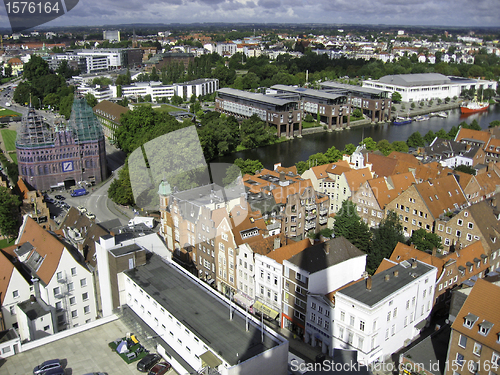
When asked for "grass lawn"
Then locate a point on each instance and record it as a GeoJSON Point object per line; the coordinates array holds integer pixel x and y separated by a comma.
{"type": "Point", "coordinates": [13, 156]}
{"type": "Point", "coordinates": [306, 125]}
{"type": "Point", "coordinates": [4, 112]}
{"type": "Point", "coordinates": [132, 349]}
{"type": "Point", "coordinates": [6, 242]}
{"type": "Point", "coordinates": [9, 139]}
{"type": "Point", "coordinates": [167, 108]}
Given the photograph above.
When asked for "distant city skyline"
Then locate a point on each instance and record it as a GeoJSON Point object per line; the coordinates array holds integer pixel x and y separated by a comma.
{"type": "Point", "coordinates": [452, 13]}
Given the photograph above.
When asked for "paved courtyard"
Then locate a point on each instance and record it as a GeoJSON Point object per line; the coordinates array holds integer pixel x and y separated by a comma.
{"type": "Point", "coordinates": [80, 354]}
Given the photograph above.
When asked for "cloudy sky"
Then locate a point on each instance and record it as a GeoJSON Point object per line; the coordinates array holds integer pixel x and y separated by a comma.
{"type": "Point", "coordinates": [389, 12]}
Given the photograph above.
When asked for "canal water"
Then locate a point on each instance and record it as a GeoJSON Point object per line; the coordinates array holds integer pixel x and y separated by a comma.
{"type": "Point", "coordinates": [290, 152]}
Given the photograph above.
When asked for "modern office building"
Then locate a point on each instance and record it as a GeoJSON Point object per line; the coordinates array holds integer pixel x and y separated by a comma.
{"type": "Point", "coordinates": [59, 156]}
{"type": "Point", "coordinates": [283, 112]}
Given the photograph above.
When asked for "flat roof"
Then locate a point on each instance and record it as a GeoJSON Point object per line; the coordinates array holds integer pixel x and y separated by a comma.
{"type": "Point", "coordinates": [308, 92]}
{"type": "Point", "coordinates": [201, 312]}
{"type": "Point", "coordinates": [123, 250]}
{"type": "Point", "coordinates": [268, 99]}
{"type": "Point", "coordinates": [344, 86]}
{"type": "Point", "coordinates": [381, 288]}
{"type": "Point", "coordinates": [420, 79]}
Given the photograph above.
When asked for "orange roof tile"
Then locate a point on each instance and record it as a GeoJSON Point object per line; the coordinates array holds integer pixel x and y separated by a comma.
{"type": "Point", "coordinates": [477, 135]}
{"type": "Point", "coordinates": [282, 192]}
{"type": "Point", "coordinates": [356, 177]}
{"type": "Point", "coordinates": [442, 195]}
{"type": "Point", "coordinates": [288, 251]}
{"type": "Point", "coordinates": [479, 303]}
{"type": "Point", "coordinates": [385, 265]}
{"type": "Point", "coordinates": [386, 189]}
{"type": "Point", "coordinates": [45, 244]}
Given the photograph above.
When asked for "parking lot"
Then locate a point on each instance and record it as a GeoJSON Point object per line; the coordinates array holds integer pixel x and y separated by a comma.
{"type": "Point", "coordinates": [80, 354]}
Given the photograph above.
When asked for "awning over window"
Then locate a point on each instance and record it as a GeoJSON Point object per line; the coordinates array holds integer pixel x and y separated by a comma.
{"type": "Point", "coordinates": [210, 359]}
{"type": "Point", "coordinates": [263, 309]}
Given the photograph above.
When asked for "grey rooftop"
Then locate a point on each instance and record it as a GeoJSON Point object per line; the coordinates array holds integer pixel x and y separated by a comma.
{"type": "Point", "coordinates": [381, 288]}
{"type": "Point", "coordinates": [267, 99]}
{"type": "Point", "coordinates": [201, 312]}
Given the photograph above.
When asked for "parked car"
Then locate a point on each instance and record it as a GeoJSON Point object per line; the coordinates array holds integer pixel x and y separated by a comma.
{"type": "Point", "coordinates": [160, 368]}
{"type": "Point", "coordinates": [66, 206]}
{"type": "Point", "coordinates": [60, 197]}
{"type": "Point", "coordinates": [148, 361]}
{"type": "Point", "coordinates": [55, 371]}
{"type": "Point", "coordinates": [90, 215]}
{"type": "Point", "coordinates": [81, 209]}
{"type": "Point", "coordinates": [47, 365]}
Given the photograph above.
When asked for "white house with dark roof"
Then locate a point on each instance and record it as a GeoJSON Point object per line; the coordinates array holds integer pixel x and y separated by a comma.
{"type": "Point", "coordinates": [380, 314]}
{"type": "Point", "coordinates": [315, 271]}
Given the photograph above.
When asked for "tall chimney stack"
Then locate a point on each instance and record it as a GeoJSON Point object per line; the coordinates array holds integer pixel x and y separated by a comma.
{"type": "Point", "coordinates": [369, 283]}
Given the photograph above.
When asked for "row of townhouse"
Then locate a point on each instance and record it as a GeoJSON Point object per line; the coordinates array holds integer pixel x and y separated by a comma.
{"type": "Point", "coordinates": [488, 141]}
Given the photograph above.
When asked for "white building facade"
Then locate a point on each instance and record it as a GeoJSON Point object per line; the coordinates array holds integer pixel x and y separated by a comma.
{"type": "Point", "coordinates": [379, 315]}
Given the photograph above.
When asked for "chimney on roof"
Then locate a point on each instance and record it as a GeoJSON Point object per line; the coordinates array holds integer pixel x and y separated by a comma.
{"type": "Point", "coordinates": [32, 299]}
{"type": "Point", "coordinates": [434, 251]}
{"type": "Point", "coordinates": [414, 264]}
{"type": "Point", "coordinates": [369, 283]}
{"type": "Point", "coordinates": [386, 278]}
{"type": "Point", "coordinates": [326, 247]}
{"type": "Point", "coordinates": [396, 273]}
{"type": "Point", "coordinates": [282, 176]}
{"type": "Point", "coordinates": [277, 243]}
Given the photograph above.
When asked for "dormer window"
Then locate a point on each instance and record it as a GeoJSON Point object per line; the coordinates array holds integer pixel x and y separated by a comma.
{"type": "Point", "coordinates": [485, 327]}
{"type": "Point", "coordinates": [469, 320]}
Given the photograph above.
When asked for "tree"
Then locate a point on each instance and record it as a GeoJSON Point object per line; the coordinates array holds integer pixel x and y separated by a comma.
{"type": "Point", "coordinates": [412, 105]}
{"type": "Point", "coordinates": [400, 146]}
{"type": "Point", "coordinates": [466, 169]}
{"type": "Point", "coordinates": [7, 71]}
{"type": "Point", "coordinates": [349, 225]}
{"type": "Point", "coordinates": [248, 166]}
{"type": "Point", "coordinates": [385, 239]}
{"type": "Point", "coordinates": [349, 149]}
{"type": "Point", "coordinates": [9, 213]}
{"type": "Point", "coordinates": [384, 146]}
{"type": "Point", "coordinates": [120, 190]}
{"type": "Point", "coordinates": [429, 137]}
{"type": "Point", "coordinates": [415, 140]}
{"type": "Point", "coordinates": [91, 100]}
{"type": "Point", "coordinates": [35, 67]}
{"type": "Point", "coordinates": [494, 124]}
{"type": "Point", "coordinates": [255, 133]}
{"type": "Point", "coordinates": [396, 97]}
{"type": "Point", "coordinates": [423, 240]}
{"type": "Point", "coordinates": [333, 154]}
{"type": "Point", "coordinates": [369, 143]}
{"type": "Point", "coordinates": [474, 125]}
{"type": "Point", "coordinates": [176, 100]}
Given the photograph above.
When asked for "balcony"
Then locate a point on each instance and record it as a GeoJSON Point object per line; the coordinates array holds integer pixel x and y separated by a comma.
{"type": "Point", "coordinates": [323, 210]}
{"type": "Point", "coordinates": [310, 207]}
{"type": "Point", "coordinates": [310, 216]}
{"type": "Point", "coordinates": [323, 220]}
{"type": "Point", "coordinates": [310, 225]}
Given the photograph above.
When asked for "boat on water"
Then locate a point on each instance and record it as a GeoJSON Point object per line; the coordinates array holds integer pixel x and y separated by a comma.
{"type": "Point", "coordinates": [473, 106]}
{"type": "Point", "coordinates": [422, 118]}
{"type": "Point", "coordinates": [399, 120]}
{"type": "Point", "coordinates": [442, 114]}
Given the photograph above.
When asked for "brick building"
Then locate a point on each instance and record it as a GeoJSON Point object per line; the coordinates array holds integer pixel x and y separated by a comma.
{"type": "Point", "coordinates": [55, 157]}
{"type": "Point", "coordinates": [474, 342]}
